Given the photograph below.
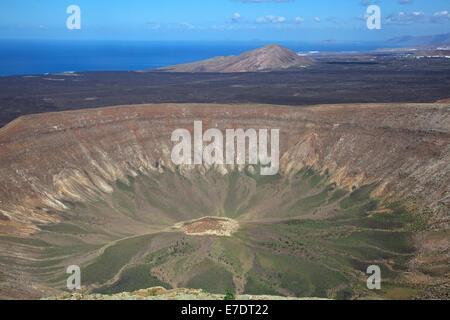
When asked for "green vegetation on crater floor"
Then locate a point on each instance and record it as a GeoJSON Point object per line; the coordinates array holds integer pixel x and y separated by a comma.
{"type": "Point", "coordinates": [318, 242]}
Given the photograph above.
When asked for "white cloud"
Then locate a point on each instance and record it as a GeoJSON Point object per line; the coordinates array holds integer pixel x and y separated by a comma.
{"type": "Point", "coordinates": [441, 16]}
{"type": "Point", "coordinates": [317, 19]}
{"type": "Point", "coordinates": [299, 20]}
{"type": "Point", "coordinates": [155, 27]}
{"type": "Point", "coordinates": [417, 17]}
{"type": "Point", "coordinates": [366, 3]}
{"type": "Point", "coordinates": [407, 18]}
{"type": "Point", "coordinates": [236, 18]}
{"type": "Point", "coordinates": [271, 19]}
{"type": "Point", "coordinates": [257, 1]}
{"type": "Point", "coordinates": [362, 16]}
{"type": "Point", "coordinates": [187, 25]}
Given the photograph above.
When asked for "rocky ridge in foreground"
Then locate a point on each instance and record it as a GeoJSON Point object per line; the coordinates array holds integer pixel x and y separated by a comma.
{"type": "Point", "coordinates": [160, 293]}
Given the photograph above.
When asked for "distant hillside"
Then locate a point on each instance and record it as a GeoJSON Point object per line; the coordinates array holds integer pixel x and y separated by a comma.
{"type": "Point", "coordinates": [432, 53]}
{"type": "Point", "coordinates": [420, 40]}
{"type": "Point", "coordinates": [269, 58]}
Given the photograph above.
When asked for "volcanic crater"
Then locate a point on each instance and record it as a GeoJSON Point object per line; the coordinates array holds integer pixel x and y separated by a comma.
{"type": "Point", "coordinates": [97, 188]}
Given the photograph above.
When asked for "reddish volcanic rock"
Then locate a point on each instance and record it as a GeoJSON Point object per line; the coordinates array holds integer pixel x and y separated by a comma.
{"type": "Point", "coordinates": [79, 155]}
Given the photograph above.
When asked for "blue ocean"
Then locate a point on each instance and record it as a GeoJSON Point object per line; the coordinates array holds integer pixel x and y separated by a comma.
{"type": "Point", "coordinates": [21, 57]}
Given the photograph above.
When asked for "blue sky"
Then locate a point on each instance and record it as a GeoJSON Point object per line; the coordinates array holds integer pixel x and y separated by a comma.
{"type": "Point", "coordinates": [298, 20]}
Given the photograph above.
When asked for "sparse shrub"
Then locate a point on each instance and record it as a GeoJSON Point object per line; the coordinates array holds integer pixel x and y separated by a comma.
{"type": "Point", "coordinates": [229, 295]}
{"type": "Point", "coordinates": [421, 220]}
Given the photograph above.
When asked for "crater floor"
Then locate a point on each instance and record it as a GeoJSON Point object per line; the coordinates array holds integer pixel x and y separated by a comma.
{"type": "Point", "coordinates": [209, 226]}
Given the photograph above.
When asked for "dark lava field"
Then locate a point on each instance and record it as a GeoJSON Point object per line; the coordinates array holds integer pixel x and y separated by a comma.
{"type": "Point", "coordinates": [381, 79]}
